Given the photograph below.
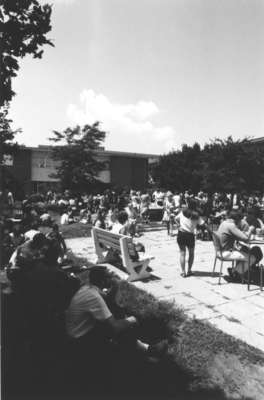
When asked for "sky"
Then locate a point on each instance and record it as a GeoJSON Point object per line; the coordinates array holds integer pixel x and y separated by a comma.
{"type": "Point", "coordinates": [155, 73]}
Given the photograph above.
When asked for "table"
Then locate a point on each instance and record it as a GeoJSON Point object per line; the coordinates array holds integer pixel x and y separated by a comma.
{"type": "Point", "coordinates": [155, 213]}
{"type": "Point", "coordinates": [256, 240]}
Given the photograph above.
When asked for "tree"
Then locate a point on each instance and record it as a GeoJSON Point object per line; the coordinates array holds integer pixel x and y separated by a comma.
{"type": "Point", "coordinates": [179, 169]}
{"type": "Point", "coordinates": [78, 167]}
{"type": "Point", "coordinates": [24, 26]}
{"type": "Point", "coordinates": [222, 165]}
{"type": "Point", "coordinates": [233, 166]}
{"type": "Point", "coordinates": [7, 145]}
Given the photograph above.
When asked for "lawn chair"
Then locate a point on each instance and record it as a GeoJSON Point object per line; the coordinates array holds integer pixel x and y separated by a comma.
{"type": "Point", "coordinates": [219, 256]}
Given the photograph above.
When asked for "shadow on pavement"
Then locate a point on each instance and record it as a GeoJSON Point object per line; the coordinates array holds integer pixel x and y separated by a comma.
{"type": "Point", "coordinates": [205, 273]}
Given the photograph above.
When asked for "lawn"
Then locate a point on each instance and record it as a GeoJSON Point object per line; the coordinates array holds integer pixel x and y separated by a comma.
{"type": "Point", "coordinates": [210, 360]}
{"type": "Point", "coordinates": [74, 230]}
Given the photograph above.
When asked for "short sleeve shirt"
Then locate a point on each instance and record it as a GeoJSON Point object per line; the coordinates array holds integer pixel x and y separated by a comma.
{"type": "Point", "coordinates": [30, 234]}
{"type": "Point", "coordinates": [87, 307]}
{"type": "Point", "coordinates": [229, 233]}
{"type": "Point", "coordinates": [187, 224]}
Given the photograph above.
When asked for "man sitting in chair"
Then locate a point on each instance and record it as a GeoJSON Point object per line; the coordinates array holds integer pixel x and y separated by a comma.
{"type": "Point", "coordinates": [230, 235]}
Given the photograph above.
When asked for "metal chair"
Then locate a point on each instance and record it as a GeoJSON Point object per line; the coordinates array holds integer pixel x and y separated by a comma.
{"type": "Point", "coordinates": [219, 256]}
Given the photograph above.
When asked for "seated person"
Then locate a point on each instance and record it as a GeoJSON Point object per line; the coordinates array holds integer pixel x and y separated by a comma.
{"type": "Point", "coordinates": [229, 233]}
{"type": "Point", "coordinates": [85, 216]}
{"type": "Point", "coordinates": [64, 220]}
{"type": "Point", "coordinates": [111, 217]}
{"type": "Point", "coordinates": [17, 237]}
{"type": "Point", "coordinates": [29, 235]}
{"type": "Point", "coordinates": [45, 218]}
{"type": "Point", "coordinates": [57, 244]}
{"type": "Point", "coordinates": [100, 220]}
{"type": "Point", "coordinates": [252, 218]}
{"type": "Point", "coordinates": [122, 227]}
{"type": "Point", "coordinates": [91, 324]}
{"type": "Point", "coordinates": [132, 219]}
{"type": "Point", "coordinates": [29, 251]}
{"type": "Point", "coordinates": [7, 246]}
{"type": "Point", "coordinates": [26, 256]}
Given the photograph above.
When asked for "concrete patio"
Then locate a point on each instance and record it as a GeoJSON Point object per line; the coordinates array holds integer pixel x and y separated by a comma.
{"type": "Point", "coordinates": [229, 306]}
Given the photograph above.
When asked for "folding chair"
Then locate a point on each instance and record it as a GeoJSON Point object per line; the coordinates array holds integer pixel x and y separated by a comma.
{"type": "Point", "coordinates": [219, 256]}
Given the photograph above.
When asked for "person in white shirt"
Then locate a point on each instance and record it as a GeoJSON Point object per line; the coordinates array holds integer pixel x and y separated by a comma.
{"type": "Point", "coordinates": [159, 198]}
{"type": "Point", "coordinates": [168, 213]}
{"type": "Point", "coordinates": [177, 200]}
{"type": "Point", "coordinates": [10, 198]}
{"type": "Point", "coordinates": [32, 231]}
{"type": "Point", "coordinates": [64, 218]}
{"type": "Point", "coordinates": [121, 225]}
{"type": "Point", "coordinates": [187, 221]}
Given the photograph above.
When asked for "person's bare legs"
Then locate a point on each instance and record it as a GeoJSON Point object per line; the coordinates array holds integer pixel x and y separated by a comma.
{"type": "Point", "coordinates": [190, 259]}
{"type": "Point", "coordinates": [242, 267]}
{"type": "Point", "coordinates": [182, 260]}
{"type": "Point", "coordinates": [171, 228]}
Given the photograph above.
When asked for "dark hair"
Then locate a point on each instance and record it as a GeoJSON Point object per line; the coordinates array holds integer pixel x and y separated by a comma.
{"type": "Point", "coordinates": [236, 215]}
{"type": "Point", "coordinates": [192, 204]}
{"type": "Point", "coordinates": [98, 275]}
{"type": "Point", "coordinates": [122, 217]}
{"type": "Point", "coordinates": [252, 217]}
{"type": "Point", "coordinates": [34, 225]}
{"type": "Point", "coordinates": [191, 214]}
{"type": "Point", "coordinates": [39, 239]}
{"type": "Point", "coordinates": [55, 227]}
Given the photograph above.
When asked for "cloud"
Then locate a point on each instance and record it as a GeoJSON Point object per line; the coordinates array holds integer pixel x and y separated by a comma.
{"type": "Point", "coordinates": [130, 126]}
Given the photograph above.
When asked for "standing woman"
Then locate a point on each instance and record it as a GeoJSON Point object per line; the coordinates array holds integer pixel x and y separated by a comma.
{"type": "Point", "coordinates": [168, 213]}
{"type": "Point", "coordinates": [187, 221]}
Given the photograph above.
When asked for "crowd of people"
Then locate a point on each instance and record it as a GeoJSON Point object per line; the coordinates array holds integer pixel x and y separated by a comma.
{"type": "Point", "coordinates": [125, 212]}
{"type": "Point", "coordinates": [34, 260]}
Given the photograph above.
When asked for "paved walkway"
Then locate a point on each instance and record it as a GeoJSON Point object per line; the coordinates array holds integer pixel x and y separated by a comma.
{"type": "Point", "coordinates": [230, 307]}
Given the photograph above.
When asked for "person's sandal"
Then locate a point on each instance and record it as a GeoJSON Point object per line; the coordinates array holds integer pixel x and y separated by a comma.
{"type": "Point", "coordinates": [183, 274]}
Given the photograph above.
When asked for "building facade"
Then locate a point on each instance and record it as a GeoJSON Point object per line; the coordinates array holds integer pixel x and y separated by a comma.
{"type": "Point", "coordinates": [34, 168]}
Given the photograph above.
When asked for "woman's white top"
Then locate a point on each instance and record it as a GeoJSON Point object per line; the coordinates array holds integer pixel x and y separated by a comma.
{"type": "Point", "coordinates": [188, 224]}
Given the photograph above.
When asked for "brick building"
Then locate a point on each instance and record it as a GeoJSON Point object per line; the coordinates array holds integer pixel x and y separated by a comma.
{"type": "Point", "coordinates": [33, 167]}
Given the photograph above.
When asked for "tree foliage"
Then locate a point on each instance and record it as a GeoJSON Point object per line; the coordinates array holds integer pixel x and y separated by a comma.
{"type": "Point", "coordinates": [7, 134]}
{"type": "Point", "coordinates": [24, 26]}
{"type": "Point", "coordinates": [222, 165]}
{"type": "Point", "coordinates": [7, 145]}
{"type": "Point", "coordinates": [75, 152]}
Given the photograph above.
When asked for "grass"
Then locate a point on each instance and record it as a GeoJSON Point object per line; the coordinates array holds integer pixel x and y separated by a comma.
{"type": "Point", "coordinates": [213, 360]}
{"type": "Point", "coordinates": [76, 230]}
{"type": "Point", "coordinates": [70, 231]}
